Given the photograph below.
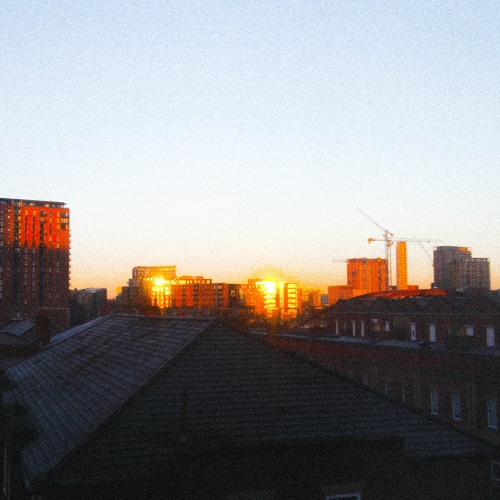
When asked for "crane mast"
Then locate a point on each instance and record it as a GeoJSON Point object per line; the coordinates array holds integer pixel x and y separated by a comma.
{"type": "Point", "coordinates": [389, 240]}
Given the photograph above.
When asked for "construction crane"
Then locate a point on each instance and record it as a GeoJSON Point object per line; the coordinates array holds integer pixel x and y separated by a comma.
{"type": "Point", "coordinates": [389, 240]}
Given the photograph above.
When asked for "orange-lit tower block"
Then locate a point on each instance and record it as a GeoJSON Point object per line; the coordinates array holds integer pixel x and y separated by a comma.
{"type": "Point", "coordinates": [401, 266]}
{"type": "Point", "coordinates": [272, 299]}
{"type": "Point", "coordinates": [34, 260]}
{"type": "Point", "coordinates": [368, 275]}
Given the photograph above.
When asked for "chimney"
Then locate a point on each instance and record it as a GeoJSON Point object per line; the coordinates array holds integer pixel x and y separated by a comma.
{"type": "Point", "coordinates": [42, 325]}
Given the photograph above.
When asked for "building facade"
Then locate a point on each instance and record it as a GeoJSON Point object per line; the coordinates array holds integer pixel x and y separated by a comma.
{"type": "Point", "coordinates": [401, 266]}
{"type": "Point", "coordinates": [272, 299]}
{"type": "Point", "coordinates": [369, 275]}
{"type": "Point", "coordinates": [34, 260]}
{"type": "Point", "coordinates": [438, 354]}
{"type": "Point", "coordinates": [87, 304]}
{"type": "Point", "coordinates": [455, 269]}
{"type": "Point", "coordinates": [159, 287]}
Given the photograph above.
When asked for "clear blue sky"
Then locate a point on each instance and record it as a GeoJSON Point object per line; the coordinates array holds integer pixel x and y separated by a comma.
{"type": "Point", "coordinates": [227, 137]}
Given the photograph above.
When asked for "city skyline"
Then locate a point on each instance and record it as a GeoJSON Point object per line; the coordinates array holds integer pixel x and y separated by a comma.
{"type": "Point", "coordinates": [233, 138]}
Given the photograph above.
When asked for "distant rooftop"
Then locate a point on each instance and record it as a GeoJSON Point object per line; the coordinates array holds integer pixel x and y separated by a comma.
{"type": "Point", "coordinates": [32, 203]}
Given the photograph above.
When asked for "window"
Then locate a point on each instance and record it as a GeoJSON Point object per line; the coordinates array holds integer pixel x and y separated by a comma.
{"type": "Point", "coordinates": [469, 330]}
{"type": "Point", "coordinates": [491, 414]}
{"type": "Point", "coordinates": [495, 471]}
{"type": "Point", "coordinates": [366, 380]}
{"type": "Point", "coordinates": [405, 393]}
{"type": "Point", "coordinates": [387, 386]}
{"type": "Point", "coordinates": [434, 402]}
{"type": "Point", "coordinates": [432, 332]}
{"type": "Point", "coordinates": [413, 331]}
{"type": "Point", "coordinates": [490, 336]}
{"type": "Point", "coordinates": [456, 406]}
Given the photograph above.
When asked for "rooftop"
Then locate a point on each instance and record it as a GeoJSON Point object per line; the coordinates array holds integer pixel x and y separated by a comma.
{"type": "Point", "coordinates": [119, 398]}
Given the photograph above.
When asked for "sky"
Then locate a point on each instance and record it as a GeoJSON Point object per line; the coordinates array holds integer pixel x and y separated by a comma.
{"type": "Point", "coordinates": [238, 139]}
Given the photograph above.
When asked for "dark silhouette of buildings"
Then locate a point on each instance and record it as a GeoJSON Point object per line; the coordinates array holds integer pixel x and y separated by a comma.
{"type": "Point", "coordinates": [87, 304]}
{"type": "Point", "coordinates": [439, 354]}
{"type": "Point", "coordinates": [34, 261]}
{"type": "Point", "coordinates": [155, 407]}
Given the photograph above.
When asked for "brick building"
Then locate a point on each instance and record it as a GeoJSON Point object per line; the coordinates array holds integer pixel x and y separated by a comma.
{"type": "Point", "coordinates": [455, 269]}
{"type": "Point", "coordinates": [34, 260]}
{"type": "Point", "coordinates": [440, 355]}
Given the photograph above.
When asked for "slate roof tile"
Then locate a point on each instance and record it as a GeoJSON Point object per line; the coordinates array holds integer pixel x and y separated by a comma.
{"type": "Point", "coordinates": [85, 376]}
{"type": "Point", "coordinates": [225, 389]}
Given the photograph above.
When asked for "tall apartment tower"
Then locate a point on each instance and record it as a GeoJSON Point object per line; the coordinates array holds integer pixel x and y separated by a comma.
{"type": "Point", "coordinates": [34, 261]}
{"type": "Point", "coordinates": [456, 269]}
{"type": "Point", "coordinates": [367, 274]}
{"type": "Point", "coordinates": [401, 266]}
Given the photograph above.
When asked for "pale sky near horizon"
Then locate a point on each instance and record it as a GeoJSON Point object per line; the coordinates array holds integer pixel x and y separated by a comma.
{"type": "Point", "coordinates": [233, 137]}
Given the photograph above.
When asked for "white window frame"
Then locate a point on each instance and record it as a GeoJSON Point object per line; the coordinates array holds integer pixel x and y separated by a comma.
{"type": "Point", "coordinates": [490, 336]}
{"type": "Point", "coordinates": [492, 414]}
{"type": "Point", "coordinates": [413, 331]}
{"type": "Point", "coordinates": [469, 330]}
{"type": "Point", "coordinates": [432, 332]}
{"type": "Point", "coordinates": [362, 328]}
{"type": "Point", "coordinates": [353, 324]}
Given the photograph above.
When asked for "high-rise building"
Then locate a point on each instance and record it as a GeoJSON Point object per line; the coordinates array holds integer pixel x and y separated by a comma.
{"type": "Point", "coordinates": [401, 266]}
{"type": "Point", "coordinates": [456, 269]}
{"type": "Point", "coordinates": [369, 275]}
{"type": "Point", "coordinates": [34, 261]}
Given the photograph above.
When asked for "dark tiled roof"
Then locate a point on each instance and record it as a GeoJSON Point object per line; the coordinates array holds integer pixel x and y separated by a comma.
{"type": "Point", "coordinates": [18, 328]}
{"type": "Point", "coordinates": [121, 398]}
{"type": "Point", "coordinates": [229, 390]}
{"type": "Point", "coordinates": [72, 387]}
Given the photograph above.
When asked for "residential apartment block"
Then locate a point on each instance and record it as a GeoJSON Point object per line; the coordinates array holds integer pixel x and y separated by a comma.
{"type": "Point", "coordinates": [439, 354]}
{"type": "Point", "coordinates": [160, 287]}
{"type": "Point", "coordinates": [456, 269]}
{"type": "Point", "coordinates": [369, 275]}
{"type": "Point", "coordinates": [272, 299]}
{"type": "Point", "coordinates": [34, 260]}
